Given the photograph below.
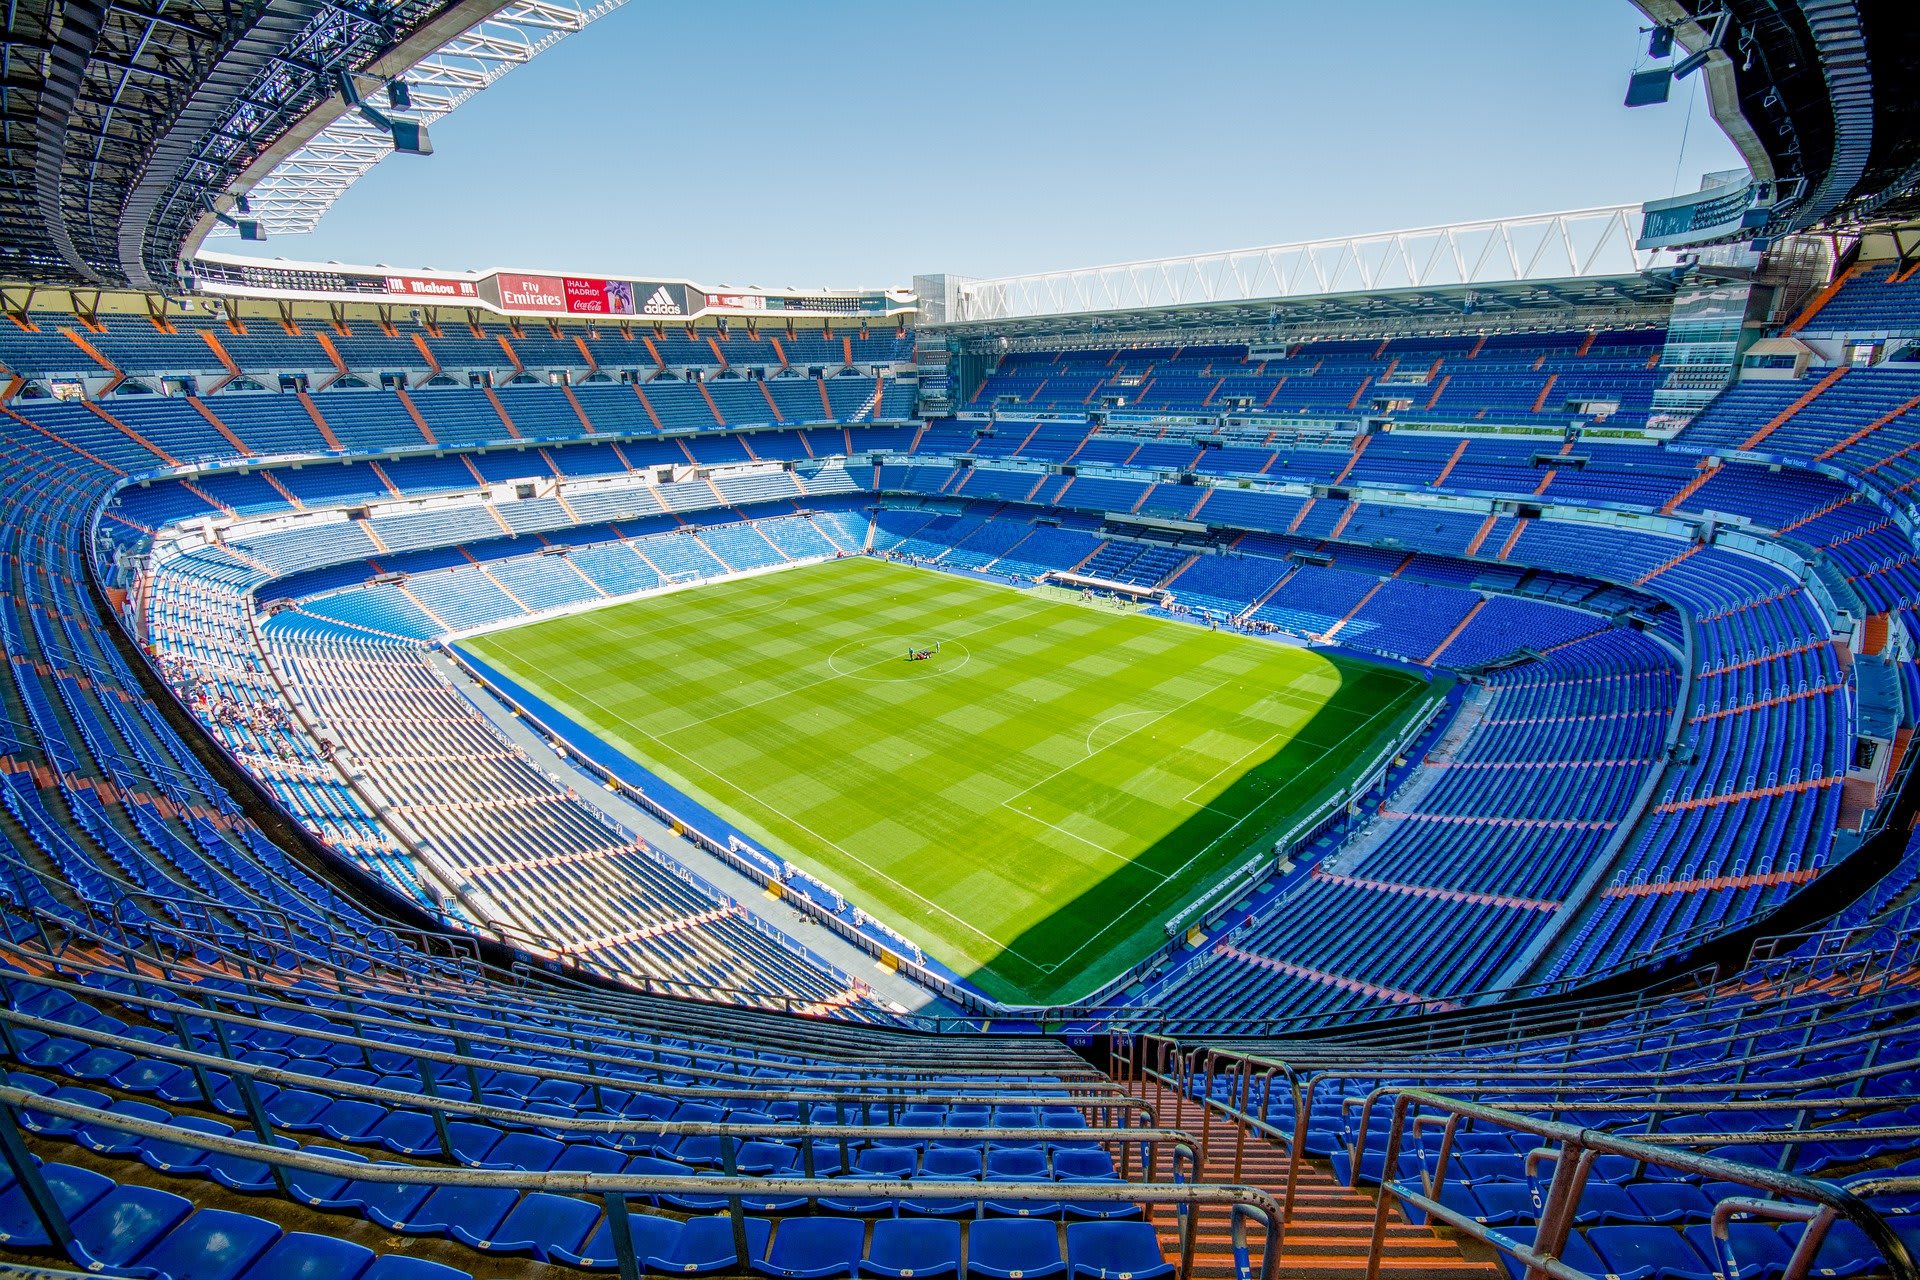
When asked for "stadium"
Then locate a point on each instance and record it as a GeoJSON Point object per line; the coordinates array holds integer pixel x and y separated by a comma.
{"type": "Point", "coordinates": [1383, 754]}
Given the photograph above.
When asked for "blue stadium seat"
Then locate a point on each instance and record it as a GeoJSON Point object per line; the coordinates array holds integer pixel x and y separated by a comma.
{"type": "Point", "coordinates": [814, 1248]}
{"type": "Point", "coordinates": [213, 1244]}
{"type": "Point", "coordinates": [1014, 1249]}
{"type": "Point", "coordinates": [913, 1249]}
{"type": "Point", "coordinates": [1116, 1251]}
{"type": "Point", "coordinates": [301, 1255]}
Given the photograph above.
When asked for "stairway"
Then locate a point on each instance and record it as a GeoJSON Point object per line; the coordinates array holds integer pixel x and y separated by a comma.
{"type": "Point", "coordinates": [1785, 415]}
{"type": "Point", "coordinates": [1330, 1232]}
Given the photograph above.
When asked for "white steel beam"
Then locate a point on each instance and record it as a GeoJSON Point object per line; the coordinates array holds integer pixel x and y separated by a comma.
{"type": "Point", "coordinates": [1580, 244]}
{"type": "Point", "coordinates": [291, 199]}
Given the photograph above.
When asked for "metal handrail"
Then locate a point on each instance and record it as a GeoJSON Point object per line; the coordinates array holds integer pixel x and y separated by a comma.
{"type": "Point", "coordinates": [1557, 1208]}
{"type": "Point", "coordinates": [1337, 1054]}
{"type": "Point", "coordinates": [869, 1078]}
{"type": "Point", "coordinates": [438, 1106]}
{"type": "Point", "coordinates": [699, 1018]}
{"type": "Point", "coordinates": [616, 1188]}
{"type": "Point", "coordinates": [1763, 951]}
{"type": "Point", "coordinates": [1664, 1093]}
{"type": "Point", "coordinates": [1533, 1078]}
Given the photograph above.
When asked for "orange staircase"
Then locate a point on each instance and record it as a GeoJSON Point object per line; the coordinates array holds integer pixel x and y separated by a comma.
{"type": "Point", "coordinates": [647, 404]}
{"type": "Point", "coordinates": [488, 574]}
{"type": "Point", "coordinates": [493, 398]}
{"type": "Point", "coordinates": [422, 606]}
{"type": "Point", "coordinates": [1353, 460]}
{"type": "Point", "coordinates": [1454, 634]}
{"type": "Point", "coordinates": [707, 395]}
{"type": "Point", "coordinates": [1513, 539]}
{"type": "Point", "coordinates": [1358, 605]}
{"type": "Point", "coordinates": [1867, 430]}
{"type": "Point", "coordinates": [1709, 467]}
{"type": "Point", "coordinates": [1329, 1233]}
{"type": "Point", "coordinates": [1650, 575]}
{"type": "Point", "coordinates": [94, 354]}
{"type": "Point", "coordinates": [131, 434]}
{"type": "Point", "coordinates": [394, 489]}
{"type": "Point", "coordinates": [1340, 525]}
{"type": "Point", "coordinates": [1785, 415]}
{"type": "Point", "coordinates": [1874, 635]}
{"type": "Point", "coordinates": [1452, 460]}
{"type": "Point", "coordinates": [579, 410]}
{"type": "Point", "coordinates": [313, 411]}
{"type": "Point", "coordinates": [774, 409]}
{"type": "Point", "coordinates": [1480, 535]}
{"type": "Point", "coordinates": [1540, 401]}
{"type": "Point", "coordinates": [333, 356]}
{"type": "Point", "coordinates": [413, 411]}
{"type": "Point", "coordinates": [426, 352]}
{"type": "Point", "coordinates": [226, 361]}
{"type": "Point", "coordinates": [226, 432]}
{"type": "Point", "coordinates": [1820, 300]}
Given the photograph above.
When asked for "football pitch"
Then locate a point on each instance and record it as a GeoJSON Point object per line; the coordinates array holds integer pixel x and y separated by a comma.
{"type": "Point", "coordinates": [1029, 804]}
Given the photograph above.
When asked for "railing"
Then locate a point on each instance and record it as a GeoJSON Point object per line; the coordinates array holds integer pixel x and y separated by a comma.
{"type": "Point", "coordinates": [587, 1030]}
{"type": "Point", "coordinates": [1154, 1143]}
{"type": "Point", "coordinates": [635, 1064]}
{"type": "Point", "coordinates": [1771, 948]}
{"type": "Point", "coordinates": [1573, 1151]}
{"type": "Point", "coordinates": [1162, 1063]}
{"type": "Point", "coordinates": [1191, 1199]}
{"type": "Point", "coordinates": [170, 921]}
{"type": "Point", "coordinates": [1258, 1083]}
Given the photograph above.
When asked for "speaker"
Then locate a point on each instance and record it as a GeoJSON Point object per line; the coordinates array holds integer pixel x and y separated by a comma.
{"type": "Point", "coordinates": [1645, 88]}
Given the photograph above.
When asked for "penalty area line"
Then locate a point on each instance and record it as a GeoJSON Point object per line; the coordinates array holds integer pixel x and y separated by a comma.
{"type": "Point", "coordinates": [1209, 846]}
{"type": "Point", "coordinates": [798, 825]}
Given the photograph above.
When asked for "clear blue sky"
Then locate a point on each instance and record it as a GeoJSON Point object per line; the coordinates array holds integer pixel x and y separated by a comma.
{"type": "Point", "coordinates": [854, 143]}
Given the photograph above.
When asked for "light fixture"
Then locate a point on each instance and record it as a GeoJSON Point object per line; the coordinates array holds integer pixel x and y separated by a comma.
{"type": "Point", "coordinates": [409, 136]}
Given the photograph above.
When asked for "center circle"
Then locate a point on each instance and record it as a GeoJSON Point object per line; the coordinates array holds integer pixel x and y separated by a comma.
{"type": "Point", "coordinates": [885, 658]}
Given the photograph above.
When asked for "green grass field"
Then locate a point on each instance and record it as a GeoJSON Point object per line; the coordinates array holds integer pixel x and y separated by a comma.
{"type": "Point", "coordinates": [1030, 806]}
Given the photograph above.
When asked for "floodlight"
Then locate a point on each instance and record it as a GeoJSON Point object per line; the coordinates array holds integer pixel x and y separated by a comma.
{"type": "Point", "coordinates": [409, 136]}
{"type": "Point", "coordinates": [1691, 63]}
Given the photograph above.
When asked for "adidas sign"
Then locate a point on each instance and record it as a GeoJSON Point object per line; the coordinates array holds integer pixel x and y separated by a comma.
{"type": "Point", "coordinates": [661, 303]}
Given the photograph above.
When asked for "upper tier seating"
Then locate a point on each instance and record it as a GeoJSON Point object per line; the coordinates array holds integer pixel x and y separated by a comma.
{"type": "Point", "coordinates": [1876, 300]}
{"type": "Point", "coordinates": [1505, 378]}
{"type": "Point", "coordinates": [134, 345]}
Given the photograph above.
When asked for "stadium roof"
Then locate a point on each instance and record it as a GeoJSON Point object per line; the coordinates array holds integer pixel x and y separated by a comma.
{"type": "Point", "coordinates": [127, 122]}
{"type": "Point", "coordinates": [1486, 274]}
{"type": "Point", "coordinates": [1822, 98]}
{"type": "Point", "coordinates": [295, 185]}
